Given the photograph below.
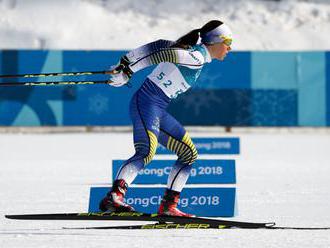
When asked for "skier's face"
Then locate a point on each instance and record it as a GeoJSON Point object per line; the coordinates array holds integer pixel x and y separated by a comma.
{"type": "Point", "coordinates": [221, 50]}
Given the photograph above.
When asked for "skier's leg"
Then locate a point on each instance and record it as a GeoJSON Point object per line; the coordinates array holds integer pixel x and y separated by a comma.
{"type": "Point", "coordinates": [146, 118]}
{"type": "Point", "coordinates": [175, 138]}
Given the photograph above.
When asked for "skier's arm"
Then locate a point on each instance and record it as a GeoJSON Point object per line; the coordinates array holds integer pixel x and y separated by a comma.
{"type": "Point", "coordinates": [152, 54]}
{"type": "Point", "coordinates": [137, 54]}
{"type": "Point", "coordinates": [180, 56]}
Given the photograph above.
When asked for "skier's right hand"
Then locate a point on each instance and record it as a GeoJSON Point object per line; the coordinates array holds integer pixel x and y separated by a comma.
{"type": "Point", "coordinates": [118, 79]}
{"type": "Point", "coordinates": [122, 66]}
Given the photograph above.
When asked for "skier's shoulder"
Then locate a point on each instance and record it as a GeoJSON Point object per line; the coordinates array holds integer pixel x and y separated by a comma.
{"type": "Point", "coordinates": [198, 53]}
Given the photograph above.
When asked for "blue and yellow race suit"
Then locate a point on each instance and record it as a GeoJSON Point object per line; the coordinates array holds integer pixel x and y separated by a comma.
{"type": "Point", "coordinates": [177, 70]}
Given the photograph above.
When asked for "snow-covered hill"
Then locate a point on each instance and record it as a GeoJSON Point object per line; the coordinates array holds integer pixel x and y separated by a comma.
{"type": "Point", "coordinates": [124, 24]}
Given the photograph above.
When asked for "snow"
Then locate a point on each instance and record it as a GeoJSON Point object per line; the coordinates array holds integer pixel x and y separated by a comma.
{"type": "Point", "coordinates": [282, 177]}
{"type": "Point", "coordinates": [109, 24]}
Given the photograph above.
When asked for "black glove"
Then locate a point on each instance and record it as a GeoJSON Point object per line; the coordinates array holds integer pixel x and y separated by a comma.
{"type": "Point", "coordinates": [123, 66]}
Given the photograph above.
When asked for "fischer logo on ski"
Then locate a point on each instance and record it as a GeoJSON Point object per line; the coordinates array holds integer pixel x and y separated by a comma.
{"type": "Point", "coordinates": [121, 214]}
{"type": "Point", "coordinates": [180, 226]}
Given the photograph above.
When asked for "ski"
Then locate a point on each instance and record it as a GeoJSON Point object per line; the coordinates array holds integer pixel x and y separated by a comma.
{"type": "Point", "coordinates": [298, 228]}
{"type": "Point", "coordinates": [137, 216]}
{"type": "Point", "coordinates": [191, 226]}
{"type": "Point", "coordinates": [161, 222]}
{"type": "Point", "coordinates": [158, 226]}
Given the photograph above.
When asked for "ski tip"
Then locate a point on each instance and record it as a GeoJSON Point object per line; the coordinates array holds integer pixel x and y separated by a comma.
{"type": "Point", "coordinates": [15, 217]}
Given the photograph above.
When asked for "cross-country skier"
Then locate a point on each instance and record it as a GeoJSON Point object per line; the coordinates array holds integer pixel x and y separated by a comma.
{"type": "Point", "coordinates": [179, 65]}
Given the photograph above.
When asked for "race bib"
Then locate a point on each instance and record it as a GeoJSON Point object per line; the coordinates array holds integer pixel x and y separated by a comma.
{"type": "Point", "coordinates": [169, 78]}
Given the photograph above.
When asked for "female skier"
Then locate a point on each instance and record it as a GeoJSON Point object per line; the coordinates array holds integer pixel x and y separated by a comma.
{"type": "Point", "coordinates": [179, 65]}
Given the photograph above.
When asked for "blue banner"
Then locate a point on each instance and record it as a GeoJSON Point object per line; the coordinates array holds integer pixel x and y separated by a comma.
{"type": "Point", "coordinates": [208, 202]}
{"type": "Point", "coordinates": [210, 146]}
{"type": "Point", "coordinates": [204, 171]}
{"type": "Point", "coordinates": [256, 96]}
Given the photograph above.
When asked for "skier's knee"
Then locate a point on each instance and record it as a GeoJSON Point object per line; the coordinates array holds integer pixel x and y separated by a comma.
{"type": "Point", "coordinates": [189, 156]}
{"type": "Point", "coordinates": [188, 153]}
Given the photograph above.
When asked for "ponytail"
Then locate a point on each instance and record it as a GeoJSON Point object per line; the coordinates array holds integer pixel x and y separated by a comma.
{"type": "Point", "coordinates": [191, 38]}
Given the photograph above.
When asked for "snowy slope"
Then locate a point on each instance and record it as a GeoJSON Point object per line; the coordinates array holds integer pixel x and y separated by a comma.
{"type": "Point", "coordinates": [281, 177]}
{"type": "Point", "coordinates": [112, 24]}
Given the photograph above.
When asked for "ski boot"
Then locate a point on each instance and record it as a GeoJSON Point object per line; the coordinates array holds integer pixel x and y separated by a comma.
{"type": "Point", "coordinates": [114, 200]}
{"type": "Point", "coordinates": [169, 204]}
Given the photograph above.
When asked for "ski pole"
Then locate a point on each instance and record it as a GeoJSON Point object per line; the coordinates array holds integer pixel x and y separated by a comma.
{"type": "Point", "coordinates": [8, 84]}
{"type": "Point", "coordinates": [55, 83]}
{"type": "Point", "coordinates": [57, 74]}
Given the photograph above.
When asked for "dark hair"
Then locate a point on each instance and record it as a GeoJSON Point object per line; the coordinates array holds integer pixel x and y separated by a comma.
{"type": "Point", "coordinates": [191, 38]}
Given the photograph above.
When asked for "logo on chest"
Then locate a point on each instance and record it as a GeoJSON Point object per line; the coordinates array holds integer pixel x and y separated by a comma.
{"type": "Point", "coordinates": [195, 58]}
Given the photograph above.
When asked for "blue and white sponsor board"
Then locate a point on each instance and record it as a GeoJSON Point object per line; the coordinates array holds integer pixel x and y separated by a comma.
{"type": "Point", "coordinates": [210, 146]}
{"type": "Point", "coordinates": [204, 171]}
{"type": "Point", "coordinates": [208, 202]}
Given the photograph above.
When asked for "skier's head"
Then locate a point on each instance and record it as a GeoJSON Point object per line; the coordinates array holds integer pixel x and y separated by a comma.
{"type": "Point", "coordinates": [215, 32]}
{"type": "Point", "coordinates": [216, 35]}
